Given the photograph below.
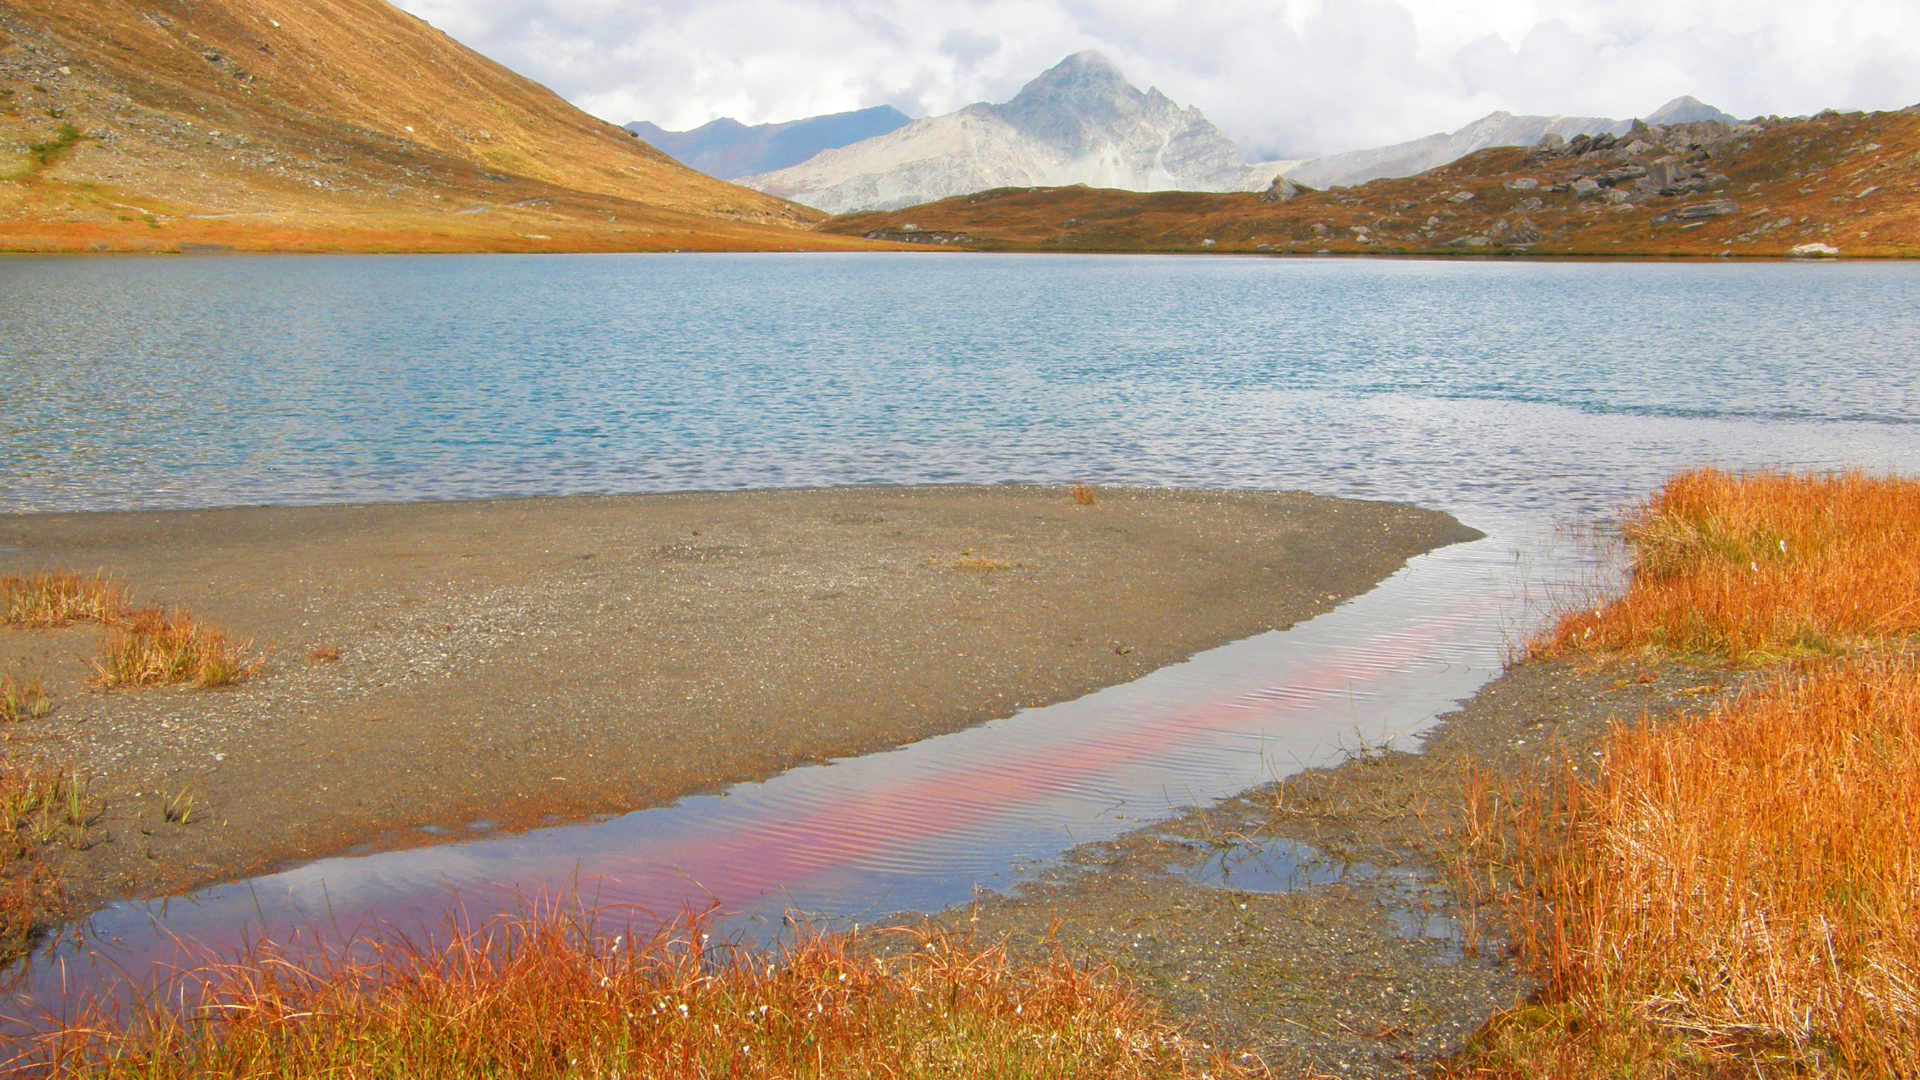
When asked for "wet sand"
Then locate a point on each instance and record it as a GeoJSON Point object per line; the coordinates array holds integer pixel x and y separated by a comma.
{"type": "Point", "coordinates": [523, 662]}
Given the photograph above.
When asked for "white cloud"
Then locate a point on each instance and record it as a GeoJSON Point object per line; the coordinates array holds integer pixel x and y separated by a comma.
{"type": "Point", "coordinates": [1281, 76]}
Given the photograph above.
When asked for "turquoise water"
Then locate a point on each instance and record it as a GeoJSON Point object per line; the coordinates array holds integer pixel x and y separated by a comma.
{"type": "Point", "coordinates": [195, 382]}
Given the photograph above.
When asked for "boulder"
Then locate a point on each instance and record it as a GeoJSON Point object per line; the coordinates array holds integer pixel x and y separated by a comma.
{"type": "Point", "coordinates": [1281, 190]}
{"type": "Point", "coordinates": [1525, 183]}
{"type": "Point", "coordinates": [1585, 188]}
{"type": "Point", "coordinates": [1517, 232]}
{"type": "Point", "coordinates": [1813, 251]}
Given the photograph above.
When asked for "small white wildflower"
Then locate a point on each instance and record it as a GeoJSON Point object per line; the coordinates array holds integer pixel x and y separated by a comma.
{"type": "Point", "coordinates": [1756, 567]}
{"type": "Point", "coordinates": [683, 1008]}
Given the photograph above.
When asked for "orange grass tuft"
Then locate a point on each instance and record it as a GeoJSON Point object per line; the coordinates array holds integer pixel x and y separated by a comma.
{"type": "Point", "coordinates": [544, 997]}
{"type": "Point", "coordinates": [1742, 885]}
{"type": "Point", "coordinates": [154, 646]}
{"type": "Point", "coordinates": [58, 597]}
{"type": "Point", "coordinates": [1758, 566]}
{"type": "Point", "coordinates": [1084, 495]}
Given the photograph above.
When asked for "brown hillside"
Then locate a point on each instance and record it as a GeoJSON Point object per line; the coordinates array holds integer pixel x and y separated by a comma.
{"type": "Point", "coordinates": [323, 124]}
{"type": "Point", "coordinates": [1850, 181]}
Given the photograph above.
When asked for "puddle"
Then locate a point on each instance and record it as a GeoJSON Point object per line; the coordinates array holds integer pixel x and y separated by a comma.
{"type": "Point", "coordinates": [1416, 904]}
{"type": "Point", "coordinates": [1278, 866]}
{"type": "Point", "coordinates": [918, 828]}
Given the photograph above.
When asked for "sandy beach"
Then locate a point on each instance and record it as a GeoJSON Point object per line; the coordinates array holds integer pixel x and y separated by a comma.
{"type": "Point", "coordinates": [531, 661]}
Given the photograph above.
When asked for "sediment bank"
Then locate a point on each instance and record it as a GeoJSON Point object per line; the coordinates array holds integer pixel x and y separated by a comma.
{"type": "Point", "coordinates": [530, 661]}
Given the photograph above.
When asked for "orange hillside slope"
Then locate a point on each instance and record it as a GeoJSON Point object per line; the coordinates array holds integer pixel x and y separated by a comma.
{"type": "Point", "coordinates": [318, 124]}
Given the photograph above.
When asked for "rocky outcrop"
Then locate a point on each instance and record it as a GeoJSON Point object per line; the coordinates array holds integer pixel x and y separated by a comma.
{"type": "Point", "coordinates": [1281, 190]}
{"type": "Point", "coordinates": [1494, 129]}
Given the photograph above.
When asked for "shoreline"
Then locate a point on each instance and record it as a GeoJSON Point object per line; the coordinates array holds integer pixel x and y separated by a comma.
{"type": "Point", "coordinates": [893, 248]}
{"type": "Point", "coordinates": [1314, 922]}
{"type": "Point", "coordinates": [649, 647]}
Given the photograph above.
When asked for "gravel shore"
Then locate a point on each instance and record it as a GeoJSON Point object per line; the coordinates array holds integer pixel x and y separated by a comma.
{"type": "Point", "coordinates": [532, 661]}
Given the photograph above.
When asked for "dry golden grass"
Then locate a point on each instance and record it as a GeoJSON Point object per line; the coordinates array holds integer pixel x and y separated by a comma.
{"type": "Point", "coordinates": [1736, 892]}
{"type": "Point", "coordinates": [325, 654]}
{"type": "Point", "coordinates": [57, 598]}
{"type": "Point", "coordinates": [144, 646]}
{"type": "Point", "coordinates": [155, 647]}
{"type": "Point", "coordinates": [1753, 567]}
{"type": "Point", "coordinates": [545, 998]}
{"type": "Point", "coordinates": [1084, 495]}
{"type": "Point", "coordinates": [22, 699]}
{"type": "Point", "coordinates": [1740, 886]}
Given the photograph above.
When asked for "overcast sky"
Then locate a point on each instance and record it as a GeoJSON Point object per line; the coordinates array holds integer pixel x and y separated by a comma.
{"type": "Point", "coordinates": [1284, 78]}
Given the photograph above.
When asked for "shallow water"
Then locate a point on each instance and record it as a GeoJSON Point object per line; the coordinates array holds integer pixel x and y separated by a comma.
{"type": "Point", "coordinates": [1521, 397]}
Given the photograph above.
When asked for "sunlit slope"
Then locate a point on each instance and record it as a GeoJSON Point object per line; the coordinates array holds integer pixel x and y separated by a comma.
{"type": "Point", "coordinates": [322, 124]}
{"type": "Point", "coordinates": [1850, 181]}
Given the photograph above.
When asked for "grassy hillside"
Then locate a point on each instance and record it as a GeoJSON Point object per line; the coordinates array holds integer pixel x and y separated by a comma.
{"type": "Point", "coordinates": [1850, 181]}
{"type": "Point", "coordinates": [323, 125]}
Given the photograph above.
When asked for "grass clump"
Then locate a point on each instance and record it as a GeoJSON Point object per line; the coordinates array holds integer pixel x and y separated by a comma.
{"type": "Point", "coordinates": [1084, 495]}
{"type": "Point", "coordinates": [143, 647]}
{"type": "Point", "coordinates": [58, 598]}
{"type": "Point", "coordinates": [38, 809]}
{"type": "Point", "coordinates": [154, 647]}
{"type": "Point", "coordinates": [1752, 567]}
{"type": "Point", "coordinates": [22, 699]}
{"type": "Point", "coordinates": [1741, 886]}
{"type": "Point", "coordinates": [545, 997]}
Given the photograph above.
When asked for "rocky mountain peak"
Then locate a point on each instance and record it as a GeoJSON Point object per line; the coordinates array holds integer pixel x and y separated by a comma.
{"type": "Point", "coordinates": [1690, 110]}
{"type": "Point", "coordinates": [1084, 83]}
{"type": "Point", "coordinates": [1078, 122]}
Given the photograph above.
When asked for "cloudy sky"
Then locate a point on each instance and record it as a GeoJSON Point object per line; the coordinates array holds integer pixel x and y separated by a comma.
{"type": "Point", "coordinates": [1285, 78]}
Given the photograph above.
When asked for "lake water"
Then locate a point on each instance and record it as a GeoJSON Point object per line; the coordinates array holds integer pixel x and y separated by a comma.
{"type": "Point", "coordinates": [1543, 387]}
{"type": "Point", "coordinates": [1525, 398]}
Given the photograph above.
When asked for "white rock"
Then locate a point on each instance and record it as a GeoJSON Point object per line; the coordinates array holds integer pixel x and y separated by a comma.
{"type": "Point", "coordinates": [1813, 251]}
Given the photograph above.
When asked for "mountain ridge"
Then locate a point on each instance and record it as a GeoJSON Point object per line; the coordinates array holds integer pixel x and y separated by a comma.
{"type": "Point", "coordinates": [727, 149]}
{"type": "Point", "coordinates": [1833, 184]}
{"type": "Point", "coordinates": [1499, 128]}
